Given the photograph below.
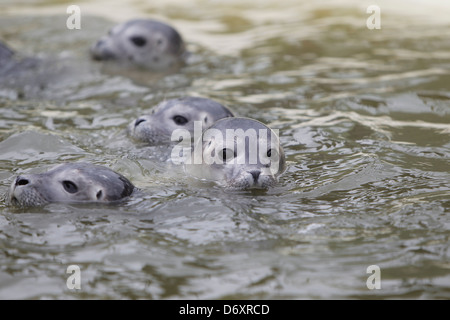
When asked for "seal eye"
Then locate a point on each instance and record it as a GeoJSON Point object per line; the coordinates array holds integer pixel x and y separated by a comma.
{"type": "Point", "coordinates": [138, 41]}
{"type": "Point", "coordinates": [69, 186]}
{"type": "Point", "coordinates": [269, 153]}
{"type": "Point", "coordinates": [180, 120]}
{"type": "Point", "coordinates": [226, 154]}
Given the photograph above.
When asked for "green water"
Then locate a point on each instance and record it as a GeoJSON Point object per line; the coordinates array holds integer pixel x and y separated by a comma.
{"type": "Point", "coordinates": [363, 116]}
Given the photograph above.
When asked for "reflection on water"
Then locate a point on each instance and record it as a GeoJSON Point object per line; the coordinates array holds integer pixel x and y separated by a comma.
{"type": "Point", "coordinates": [363, 116]}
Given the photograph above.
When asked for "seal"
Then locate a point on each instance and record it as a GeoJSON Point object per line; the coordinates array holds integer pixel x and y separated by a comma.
{"type": "Point", "coordinates": [143, 43]}
{"type": "Point", "coordinates": [238, 153]}
{"type": "Point", "coordinates": [11, 65]}
{"type": "Point", "coordinates": [7, 61]}
{"type": "Point", "coordinates": [157, 128]}
{"type": "Point", "coordinates": [6, 53]}
{"type": "Point", "coordinates": [70, 183]}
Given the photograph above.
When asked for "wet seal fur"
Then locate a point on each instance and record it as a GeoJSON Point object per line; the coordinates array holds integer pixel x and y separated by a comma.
{"type": "Point", "coordinates": [141, 42]}
{"type": "Point", "coordinates": [11, 64]}
{"type": "Point", "coordinates": [157, 128]}
{"type": "Point", "coordinates": [229, 161]}
{"type": "Point", "coordinates": [70, 183]}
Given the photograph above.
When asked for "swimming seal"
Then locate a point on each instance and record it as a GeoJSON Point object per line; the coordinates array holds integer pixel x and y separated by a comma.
{"type": "Point", "coordinates": [70, 183]}
{"type": "Point", "coordinates": [11, 65]}
{"type": "Point", "coordinates": [144, 43]}
{"type": "Point", "coordinates": [6, 53]}
{"type": "Point", "coordinates": [239, 153]}
{"type": "Point", "coordinates": [173, 114]}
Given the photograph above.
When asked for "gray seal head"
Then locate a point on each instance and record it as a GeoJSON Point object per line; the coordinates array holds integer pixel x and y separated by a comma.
{"type": "Point", "coordinates": [6, 53]}
{"type": "Point", "coordinates": [168, 116]}
{"type": "Point", "coordinates": [70, 183]}
{"type": "Point", "coordinates": [239, 153]}
{"type": "Point", "coordinates": [144, 43]}
{"type": "Point", "coordinates": [7, 61]}
{"type": "Point", "coordinates": [11, 65]}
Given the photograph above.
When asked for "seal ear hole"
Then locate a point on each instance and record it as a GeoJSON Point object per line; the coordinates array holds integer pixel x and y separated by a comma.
{"type": "Point", "coordinates": [180, 120]}
{"type": "Point", "coordinates": [138, 41]}
{"type": "Point", "coordinates": [69, 186]}
{"type": "Point", "coordinates": [272, 153]}
{"type": "Point", "coordinates": [99, 194]}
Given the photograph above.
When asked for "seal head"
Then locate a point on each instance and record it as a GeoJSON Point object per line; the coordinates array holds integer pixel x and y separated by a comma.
{"type": "Point", "coordinates": [239, 153]}
{"type": "Point", "coordinates": [70, 183]}
{"type": "Point", "coordinates": [143, 43]}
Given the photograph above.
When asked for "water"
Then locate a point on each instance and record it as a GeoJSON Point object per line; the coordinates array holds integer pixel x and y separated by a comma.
{"type": "Point", "coordinates": [363, 115]}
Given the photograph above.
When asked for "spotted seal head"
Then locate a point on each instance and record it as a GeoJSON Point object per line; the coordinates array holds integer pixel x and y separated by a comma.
{"type": "Point", "coordinates": [239, 153]}
{"type": "Point", "coordinates": [144, 43]}
{"type": "Point", "coordinates": [70, 183]}
{"type": "Point", "coordinates": [168, 116]}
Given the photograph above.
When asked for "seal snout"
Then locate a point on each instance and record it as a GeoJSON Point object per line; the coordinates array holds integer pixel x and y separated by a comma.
{"type": "Point", "coordinates": [101, 50]}
{"type": "Point", "coordinates": [95, 50]}
{"type": "Point", "coordinates": [70, 183]}
{"type": "Point", "coordinates": [21, 181]}
{"type": "Point", "coordinates": [18, 187]}
{"type": "Point", "coordinates": [139, 121]}
{"type": "Point", "coordinates": [255, 174]}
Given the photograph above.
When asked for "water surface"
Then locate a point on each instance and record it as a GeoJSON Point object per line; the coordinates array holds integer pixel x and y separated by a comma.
{"type": "Point", "coordinates": [363, 116]}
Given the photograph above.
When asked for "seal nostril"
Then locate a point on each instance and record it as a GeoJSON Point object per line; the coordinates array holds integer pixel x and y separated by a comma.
{"type": "Point", "coordinates": [139, 121]}
{"type": "Point", "coordinates": [255, 174]}
{"type": "Point", "coordinates": [99, 195]}
{"type": "Point", "coordinates": [22, 181]}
